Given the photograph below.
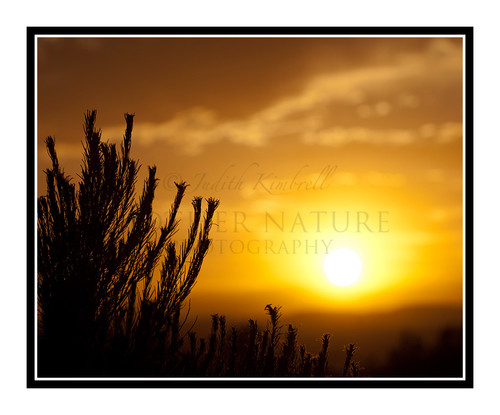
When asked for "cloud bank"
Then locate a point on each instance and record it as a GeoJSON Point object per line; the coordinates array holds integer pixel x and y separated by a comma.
{"type": "Point", "coordinates": [303, 115]}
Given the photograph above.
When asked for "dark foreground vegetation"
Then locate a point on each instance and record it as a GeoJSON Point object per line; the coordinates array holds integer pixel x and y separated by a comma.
{"type": "Point", "coordinates": [112, 287]}
{"type": "Point", "coordinates": [413, 358]}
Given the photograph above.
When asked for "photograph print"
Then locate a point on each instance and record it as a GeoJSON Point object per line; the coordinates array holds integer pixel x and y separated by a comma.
{"type": "Point", "coordinates": [250, 207]}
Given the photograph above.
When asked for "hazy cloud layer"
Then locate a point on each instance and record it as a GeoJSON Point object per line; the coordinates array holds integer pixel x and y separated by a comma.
{"type": "Point", "coordinates": [303, 115]}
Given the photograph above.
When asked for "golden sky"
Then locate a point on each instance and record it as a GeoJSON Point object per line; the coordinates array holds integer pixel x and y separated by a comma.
{"type": "Point", "coordinates": [311, 144]}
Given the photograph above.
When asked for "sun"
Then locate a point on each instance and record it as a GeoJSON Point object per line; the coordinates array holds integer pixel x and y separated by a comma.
{"type": "Point", "coordinates": [342, 267]}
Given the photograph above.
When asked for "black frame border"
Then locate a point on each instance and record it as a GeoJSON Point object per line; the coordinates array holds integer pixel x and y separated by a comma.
{"type": "Point", "coordinates": [467, 32]}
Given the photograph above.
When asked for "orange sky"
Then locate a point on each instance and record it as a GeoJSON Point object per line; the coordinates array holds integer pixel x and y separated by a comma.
{"type": "Point", "coordinates": [285, 132]}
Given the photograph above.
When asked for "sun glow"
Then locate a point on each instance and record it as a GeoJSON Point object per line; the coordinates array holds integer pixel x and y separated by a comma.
{"type": "Point", "coordinates": [342, 267]}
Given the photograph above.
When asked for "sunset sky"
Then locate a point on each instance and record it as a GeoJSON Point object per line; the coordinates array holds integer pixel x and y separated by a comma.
{"type": "Point", "coordinates": [311, 144]}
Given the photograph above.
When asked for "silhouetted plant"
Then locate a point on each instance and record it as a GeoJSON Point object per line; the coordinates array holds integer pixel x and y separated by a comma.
{"type": "Point", "coordinates": [414, 357]}
{"type": "Point", "coordinates": [305, 362]}
{"type": "Point", "coordinates": [102, 309]}
{"type": "Point", "coordinates": [355, 369]}
{"type": "Point", "coordinates": [274, 336]}
{"type": "Point", "coordinates": [212, 346]}
{"type": "Point", "coordinates": [321, 361]}
{"type": "Point", "coordinates": [250, 355]}
{"type": "Point", "coordinates": [264, 339]}
{"type": "Point", "coordinates": [252, 349]}
{"type": "Point", "coordinates": [220, 353]}
{"type": "Point", "coordinates": [349, 353]}
{"type": "Point", "coordinates": [286, 361]}
{"type": "Point", "coordinates": [98, 300]}
{"type": "Point", "coordinates": [233, 347]}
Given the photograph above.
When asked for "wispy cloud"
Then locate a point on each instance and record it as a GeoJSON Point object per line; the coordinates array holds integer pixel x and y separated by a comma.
{"type": "Point", "coordinates": [338, 136]}
{"type": "Point", "coordinates": [297, 114]}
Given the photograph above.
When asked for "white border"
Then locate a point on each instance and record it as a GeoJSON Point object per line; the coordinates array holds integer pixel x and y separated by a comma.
{"type": "Point", "coordinates": [224, 379]}
{"type": "Point", "coordinates": [35, 210]}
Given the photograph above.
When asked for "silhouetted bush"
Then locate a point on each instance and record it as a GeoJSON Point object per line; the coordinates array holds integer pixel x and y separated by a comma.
{"type": "Point", "coordinates": [102, 309]}
{"type": "Point", "coordinates": [413, 358]}
{"type": "Point", "coordinates": [99, 302]}
{"type": "Point", "coordinates": [250, 353]}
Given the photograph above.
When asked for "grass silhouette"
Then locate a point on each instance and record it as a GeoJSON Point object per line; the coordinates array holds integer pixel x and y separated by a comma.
{"type": "Point", "coordinates": [102, 309]}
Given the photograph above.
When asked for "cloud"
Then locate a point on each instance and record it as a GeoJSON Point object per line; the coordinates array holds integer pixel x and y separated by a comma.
{"type": "Point", "coordinates": [339, 136]}
{"type": "Point", "coordinates": [442, 134]}
{"type": "Point", "coordinates": [297, 115]}
{"type": "Point", "coordinates": [198, 127]}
